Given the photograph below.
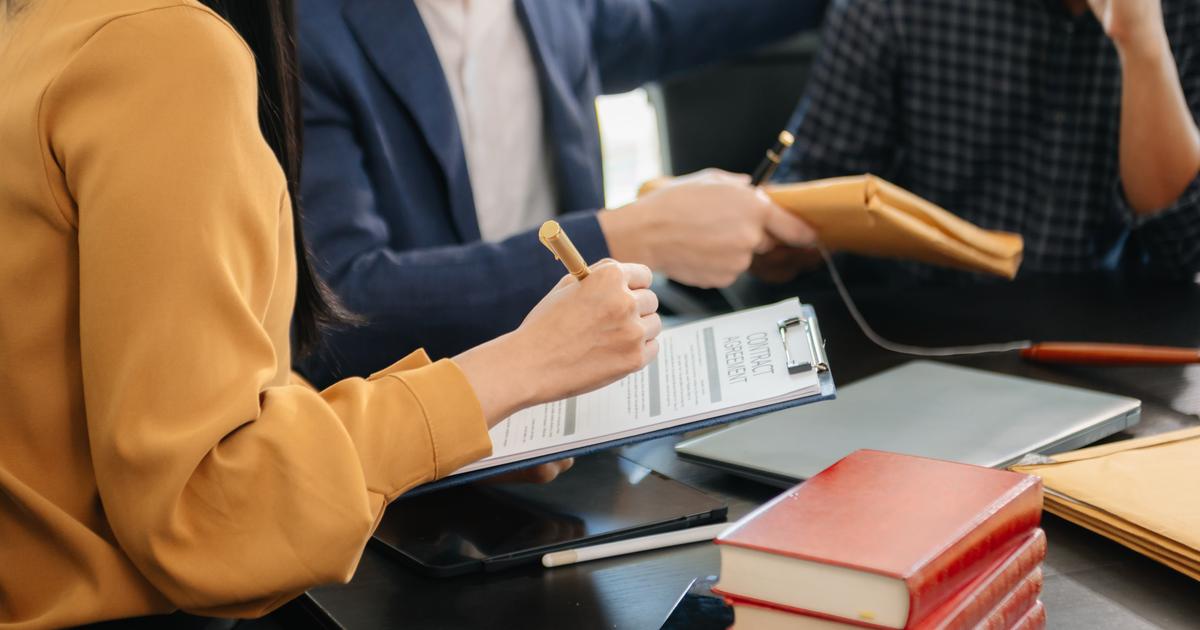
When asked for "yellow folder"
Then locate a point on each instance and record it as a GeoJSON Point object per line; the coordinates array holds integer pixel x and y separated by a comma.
{"type": "Point", "coordinates": [1140, 493]}
{"type": "Point", "coordinates": [864, 214]}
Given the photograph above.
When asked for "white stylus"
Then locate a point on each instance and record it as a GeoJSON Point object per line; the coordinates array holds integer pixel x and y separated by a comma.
{"type": "Point", "coordinates": [634, 545]}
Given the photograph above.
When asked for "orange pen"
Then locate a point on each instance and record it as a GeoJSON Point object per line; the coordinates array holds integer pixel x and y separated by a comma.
{"type": "Point", "coordinates": [1109, 354]}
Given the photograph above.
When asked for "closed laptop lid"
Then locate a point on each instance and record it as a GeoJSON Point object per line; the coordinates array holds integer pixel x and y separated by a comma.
{"type": "Point", "coordinates": [920, 408]}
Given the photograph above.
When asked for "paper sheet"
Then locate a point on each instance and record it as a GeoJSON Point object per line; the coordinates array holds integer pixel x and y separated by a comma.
{"type": "Point", "coordinates": [704, 369]}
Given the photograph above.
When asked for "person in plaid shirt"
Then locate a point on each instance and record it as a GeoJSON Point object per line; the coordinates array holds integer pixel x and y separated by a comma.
{"type": "Point", "coordinates": [1071, 122]}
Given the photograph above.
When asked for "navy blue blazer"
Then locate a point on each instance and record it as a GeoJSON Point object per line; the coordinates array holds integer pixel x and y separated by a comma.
{"type": "Point", "coordinates": [389, 210]}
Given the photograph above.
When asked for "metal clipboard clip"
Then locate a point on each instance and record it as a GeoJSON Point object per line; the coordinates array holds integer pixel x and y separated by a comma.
{"type": "Point", "coordinates": [816, 344]}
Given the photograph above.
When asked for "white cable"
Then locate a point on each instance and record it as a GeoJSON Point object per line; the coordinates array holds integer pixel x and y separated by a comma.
{"type": "Point", "coordinates": [900, 348]}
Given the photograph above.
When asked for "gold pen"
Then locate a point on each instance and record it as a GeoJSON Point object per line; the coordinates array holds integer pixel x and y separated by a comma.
{"type": "Point", "coordinates": [553, 237]}
{"type": "Point", "coordinates": [773, 159]}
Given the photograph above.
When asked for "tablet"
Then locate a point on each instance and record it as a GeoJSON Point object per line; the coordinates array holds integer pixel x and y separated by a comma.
{"type": "Point", "coordinates": [479, 527]}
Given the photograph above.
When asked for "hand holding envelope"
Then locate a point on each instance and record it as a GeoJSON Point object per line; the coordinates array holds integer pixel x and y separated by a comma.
{"type": "Point", "coordinates": [864, 214]}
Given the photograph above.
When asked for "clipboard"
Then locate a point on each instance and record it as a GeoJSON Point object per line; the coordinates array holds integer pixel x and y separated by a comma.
{"type": "Point", "coordinates": [805, 324]}
{"type": "Point", "coordinates": [816, 344]}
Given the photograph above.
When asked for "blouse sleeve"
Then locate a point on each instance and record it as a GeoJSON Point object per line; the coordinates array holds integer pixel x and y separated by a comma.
{"type": "Point", "coordinates": [229, 494]}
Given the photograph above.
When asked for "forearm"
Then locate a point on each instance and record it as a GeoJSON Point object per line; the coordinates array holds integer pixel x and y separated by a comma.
{"type": "Point", "coordinates": [1159, 140]}
{"type": "Point", "coordinates": [500, 374]}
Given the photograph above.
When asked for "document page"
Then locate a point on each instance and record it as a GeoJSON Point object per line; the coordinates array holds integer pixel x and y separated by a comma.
{"type": "Point", "coordinates": [704, 369]}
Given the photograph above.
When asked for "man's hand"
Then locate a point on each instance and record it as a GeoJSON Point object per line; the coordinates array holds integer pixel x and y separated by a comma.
{"type": "Point", "coordinates": [702, 230]}
{"type": "Point", "coordinates": [1133, 25]}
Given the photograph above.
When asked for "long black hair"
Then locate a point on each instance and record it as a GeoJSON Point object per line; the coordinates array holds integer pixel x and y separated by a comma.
{"type": "Point", "coordinates": [268, 26]}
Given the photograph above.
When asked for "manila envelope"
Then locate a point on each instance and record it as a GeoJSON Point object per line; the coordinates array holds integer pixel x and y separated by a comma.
{"type": "Point", "coordinates": [1140, 493]}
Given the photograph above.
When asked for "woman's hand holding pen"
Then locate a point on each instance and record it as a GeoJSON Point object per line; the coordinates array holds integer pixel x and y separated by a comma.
{"type": "Point", "coordinates": [581, 336]}
{"type": "Point", "coordinates": [588, 334]}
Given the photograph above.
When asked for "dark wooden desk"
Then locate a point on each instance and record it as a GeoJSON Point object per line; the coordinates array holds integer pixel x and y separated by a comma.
{"type": "Point", "coordinates": [1090, 582]}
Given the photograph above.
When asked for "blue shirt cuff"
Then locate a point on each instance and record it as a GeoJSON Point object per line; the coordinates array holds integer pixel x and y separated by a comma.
{"type": "Point", "coordinates": [584, 229]}
{"type": "Point", "coordinates": [1169, 237]}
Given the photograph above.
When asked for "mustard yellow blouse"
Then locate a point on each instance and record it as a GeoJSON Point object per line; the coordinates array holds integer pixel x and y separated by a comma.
{"type": "Point", "coordinates": [153, 455]}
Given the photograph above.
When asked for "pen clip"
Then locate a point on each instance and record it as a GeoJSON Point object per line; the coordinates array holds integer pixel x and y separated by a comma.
{"type": "Point", "coordinates": [816, 345]}
{"type": "Point", "coordinates": [546, 241]}
{"type": "Point", "coordinates": [549, 229]}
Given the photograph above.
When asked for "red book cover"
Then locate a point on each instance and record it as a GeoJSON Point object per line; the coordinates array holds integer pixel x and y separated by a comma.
{"type": "Point", "coordinates": [1015, 605]}
{"type": "Point", "coordinates": [979, 597]}
{"type": "Point", "coordinates": [934, 525]}
{"type": "Point", "coordinates": [1035, 619]}
{"type": "Point", "coordinates": [994, 602]}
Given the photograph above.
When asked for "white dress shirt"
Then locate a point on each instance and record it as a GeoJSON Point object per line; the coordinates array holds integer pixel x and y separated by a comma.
{"type": "Point", "coordinates": [497, 98]}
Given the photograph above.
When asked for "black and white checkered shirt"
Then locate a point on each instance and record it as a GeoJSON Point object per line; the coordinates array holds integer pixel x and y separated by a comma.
{"type": "Point", "coordinates": [1006, 112]}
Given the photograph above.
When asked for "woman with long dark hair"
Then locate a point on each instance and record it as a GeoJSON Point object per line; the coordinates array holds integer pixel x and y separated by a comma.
{"type": "Point", "coordinates": [154, 454]}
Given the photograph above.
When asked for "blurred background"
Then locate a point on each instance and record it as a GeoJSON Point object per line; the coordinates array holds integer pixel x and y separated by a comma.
{"type": "Point", "coordinates": [722, 116]}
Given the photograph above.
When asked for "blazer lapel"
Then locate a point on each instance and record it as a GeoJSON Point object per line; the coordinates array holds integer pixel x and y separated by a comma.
{"type": "Point", "coordinates": [574, 139]}
{"type": "Point", "coordinates": [394, 38]}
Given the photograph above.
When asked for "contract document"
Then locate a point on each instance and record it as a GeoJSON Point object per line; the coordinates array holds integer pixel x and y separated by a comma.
{"type": "Point", "coordinates": [725, 366]}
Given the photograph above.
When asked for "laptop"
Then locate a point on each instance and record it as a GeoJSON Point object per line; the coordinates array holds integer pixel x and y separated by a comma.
{"type": "Point", "coordinates": [919, 408]}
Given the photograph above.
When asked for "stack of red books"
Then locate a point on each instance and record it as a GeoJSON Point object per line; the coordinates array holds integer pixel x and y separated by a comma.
{"type": "Point", "coordinates": [880, 540]}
